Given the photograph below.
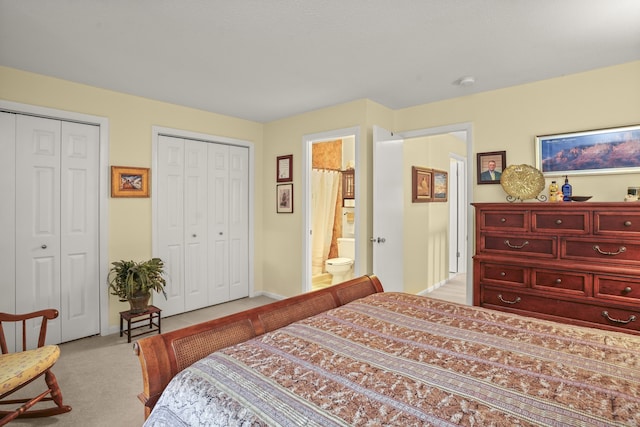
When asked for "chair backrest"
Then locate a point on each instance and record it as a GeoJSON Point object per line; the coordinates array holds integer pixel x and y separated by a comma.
{"type": "Point", "coordinates": [45, 315]}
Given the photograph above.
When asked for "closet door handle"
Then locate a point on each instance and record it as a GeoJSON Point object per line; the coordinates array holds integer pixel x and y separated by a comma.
{"type": "Point", "coordinates": [44, 246]}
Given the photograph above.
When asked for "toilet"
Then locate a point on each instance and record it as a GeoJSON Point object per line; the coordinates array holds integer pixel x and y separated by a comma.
{"type": "Point", "coordinates": [341, 268]}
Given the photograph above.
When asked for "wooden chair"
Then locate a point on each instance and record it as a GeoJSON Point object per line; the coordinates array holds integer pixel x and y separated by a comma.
{"type": "Point", "coordinates": [21, 368]}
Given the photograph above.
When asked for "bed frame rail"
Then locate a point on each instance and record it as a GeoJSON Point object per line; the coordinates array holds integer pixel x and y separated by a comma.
{"type": "Point", "coordinates": [163, 356]}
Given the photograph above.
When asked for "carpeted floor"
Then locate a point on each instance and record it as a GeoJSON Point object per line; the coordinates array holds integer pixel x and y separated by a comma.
{"type": "Point", "coordinates": [100, 377]}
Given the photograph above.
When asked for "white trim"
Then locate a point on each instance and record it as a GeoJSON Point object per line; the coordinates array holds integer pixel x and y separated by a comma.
{"type": "Point", "coordinates": [103, 199]}
{"type": "Point", "coordinates": [307, 142]}
{"type": "Point", "coordinates": [156, 131]}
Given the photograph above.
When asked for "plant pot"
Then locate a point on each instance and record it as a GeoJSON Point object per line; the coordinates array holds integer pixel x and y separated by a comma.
{"type": "Point", "coordinates": [139, 302]}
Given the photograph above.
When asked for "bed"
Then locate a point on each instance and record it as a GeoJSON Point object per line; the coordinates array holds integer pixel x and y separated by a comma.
{"type": "Point", "coordinates": [352, 354]}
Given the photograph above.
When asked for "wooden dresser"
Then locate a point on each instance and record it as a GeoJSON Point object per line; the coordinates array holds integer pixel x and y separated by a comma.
{"type": "Point", "coordinates": [572, 262]}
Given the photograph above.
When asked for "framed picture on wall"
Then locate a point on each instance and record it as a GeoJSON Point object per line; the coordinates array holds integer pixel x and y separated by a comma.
{"type": "Point", "coordinates": [602, 151]}
{"type": "Point", "coordinates": [490, 166]}
{"type": "Point", "coordinates": [129, 182]}
{"type": "Point", "coordinates": [421, 183]}
{"type": "Point", "coordinates": [284, 168]}
{"type": "Point", "coordinates": [440, 189]}
{"type": "Point", "coordinates": [284, 201]}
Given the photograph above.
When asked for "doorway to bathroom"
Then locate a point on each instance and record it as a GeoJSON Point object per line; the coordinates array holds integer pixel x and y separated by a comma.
{"type": "Point", "coordinates": [331, 209]}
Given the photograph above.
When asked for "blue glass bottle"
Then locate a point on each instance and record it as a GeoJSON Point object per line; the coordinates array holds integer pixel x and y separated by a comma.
{"type": "Point", "coordinates": [566, 190]}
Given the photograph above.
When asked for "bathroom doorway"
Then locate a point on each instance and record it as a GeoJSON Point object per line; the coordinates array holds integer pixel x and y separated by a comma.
{"type": "Point", "coordinates": [330, 176]}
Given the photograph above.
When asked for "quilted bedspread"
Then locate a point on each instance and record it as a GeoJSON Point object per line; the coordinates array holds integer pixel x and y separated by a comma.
{"type": "Point", "coordinates": [394, 359]}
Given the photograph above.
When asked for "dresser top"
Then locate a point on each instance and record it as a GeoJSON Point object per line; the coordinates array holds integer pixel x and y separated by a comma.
{"type": "Point", "coordinates": [564, 206]}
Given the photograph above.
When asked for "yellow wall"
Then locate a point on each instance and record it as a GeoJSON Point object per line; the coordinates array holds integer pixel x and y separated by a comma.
{"type": "Point", "coordinates": [130, 121]}
{"type": "Point", "coordinates": [426, 225]}
{"type": "Point", "coordinates": [506, 119]}
{"type": "Point", "coordinates": [509, 119]}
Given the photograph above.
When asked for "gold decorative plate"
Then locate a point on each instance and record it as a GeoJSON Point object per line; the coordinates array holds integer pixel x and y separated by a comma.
{"type": "Point", "coordinates": [522, 182]}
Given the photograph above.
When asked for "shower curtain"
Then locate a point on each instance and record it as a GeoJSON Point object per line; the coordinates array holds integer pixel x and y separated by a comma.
{"type": "Point", "coordinates": [324, 191]}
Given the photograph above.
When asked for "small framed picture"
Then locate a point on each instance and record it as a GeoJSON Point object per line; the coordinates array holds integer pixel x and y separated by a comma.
{"type": "Point", "coordinates": [440, 189]}
{"type": "Point", "coordinates": [129, 182]}
{"type": "Point", "coordinates": [490, 166]}
{"type": "Point", "coordinates": [284, 198]}
{"type": "Point", "coordinates": [284, 168]}
{"type": "Point", "coordinates": [421, 183]}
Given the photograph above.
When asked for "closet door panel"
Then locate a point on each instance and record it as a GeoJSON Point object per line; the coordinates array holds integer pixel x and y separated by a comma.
{"type": "Point", "coordinates": [38, 223]}
{"type": "Point", "coordinates": [238, 222]}
{"type": "Point", "coordinates": [195, 217]}
{"type": "Point", "coordinates": [218, 208]}
{"type": "Point", "coordinates": [8, 220]}
{"type": "Point", "coordinates": [170, 204]}
{"type": "Point", "coordinates": [79, 231]}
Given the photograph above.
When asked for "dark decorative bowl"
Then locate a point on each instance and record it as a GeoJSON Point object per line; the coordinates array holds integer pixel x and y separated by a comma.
{"type": "Point", "coordinates": [580, 198]}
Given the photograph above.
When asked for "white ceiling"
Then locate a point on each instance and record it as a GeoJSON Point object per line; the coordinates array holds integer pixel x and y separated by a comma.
{"type": "Point", "coordinates": [263, 60]}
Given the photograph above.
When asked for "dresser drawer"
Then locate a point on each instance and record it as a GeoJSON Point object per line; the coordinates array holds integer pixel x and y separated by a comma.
{"type": "Point", "coordinates": [561, 281]}
{"type": "Point", "coordinates": [623, 289]}
{"type": "Point", "coordinates": [560, 222]}
{"type": "Point", "coordinates": [616, 223]}
{"type": "Point", "coordinates": [496, 220]}
{"type": "Point", "coordinates": [602, 250]}
{"type": "Point", "coordinates": [512, 300]}
{"type": "Point", "coordinates": [504, 274]}
{"type": "Point", "coordinates": [524, 245]}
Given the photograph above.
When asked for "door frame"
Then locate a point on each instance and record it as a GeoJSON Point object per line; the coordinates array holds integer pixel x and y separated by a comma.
{"type": "Point", "coordinates": [447, 129]}
{"type": "Point", "coordinates": [156, 131]}
{"type": "Point", "coordinates": [307, 149]}
{"type": "Point", "coordinates": [104, 183]}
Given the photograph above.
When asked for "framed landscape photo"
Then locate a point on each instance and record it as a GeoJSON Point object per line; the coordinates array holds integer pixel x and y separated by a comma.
{"type": "Point", "coordinates": [490, 166]}
{"type": "Point", "coordinates": [284, 168]}
{"type": "Point", "coordinates": [440, 189]}
{"type": "Point", "coordinates": [614, 150]}
{"type": "Point", "coordinates": [129, 182]}
{"type": "Point", "coordinates": [284, 201]}
{"type": "Point", "coordinates": [421, 183]}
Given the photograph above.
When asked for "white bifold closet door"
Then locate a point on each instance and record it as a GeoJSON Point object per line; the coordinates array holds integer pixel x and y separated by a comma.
{"type": "Point", "coordinates": [202, 222]}
{"type": "Point", "coordinates": [55, 232]}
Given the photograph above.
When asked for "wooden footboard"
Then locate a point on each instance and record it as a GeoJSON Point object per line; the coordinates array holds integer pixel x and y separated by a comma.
{"type": "Point", "coordinates": [163, 356]}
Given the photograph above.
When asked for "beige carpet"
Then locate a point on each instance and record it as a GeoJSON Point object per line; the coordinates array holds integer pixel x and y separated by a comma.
{"type": "Point", "coordinates": [100, 377]}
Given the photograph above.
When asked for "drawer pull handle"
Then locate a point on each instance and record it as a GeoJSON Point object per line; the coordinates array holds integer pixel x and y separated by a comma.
{"type": "Point", "coordinates": [503, 219]}
{"type": "Point", "coordinates": [558, 281]}
{"type": "Point", "coordinates": [632, 318]}
{"type": "Point", "coordinates": [517, 300]}
{"type": "Point", "coordinates": [627, 223]}
{"type": "Point", "coordinates": [620, 250]}
{"type": "Point", "coordinates": [502, 273]}
{"type": "Point", "coordinates": [626, 290]}
{"type": "Point", "coordinates": [526, 242]}
{"type": "Point", "coordinates": [558, 221]}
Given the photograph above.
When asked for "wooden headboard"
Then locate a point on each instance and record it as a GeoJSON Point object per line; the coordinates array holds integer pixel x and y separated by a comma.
{"type": "Point", "coordinates": [163, 356]}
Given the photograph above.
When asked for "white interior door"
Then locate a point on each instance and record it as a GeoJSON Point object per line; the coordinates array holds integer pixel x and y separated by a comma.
{"type": "Point", "coordinates": [79, 181]}
{"type": "Point", "coordinates": [202, 222]}
{"type": "Point", "coordinates": [38, 219]}
{"type": "Point", "coordinates": [388, 202]}
{"type": "Point", "coordinates": [218, 194]}
{"type": "Point", "coordinates": [169, 195]}
{"type": "Point", "coordinates": [195, 224]}
{"type": "Point", "coordinates": [238, 203]}
{"type": "Point", "coordinates": [57, 264]}
{"type": "Point", "coordinates": [7, 220]}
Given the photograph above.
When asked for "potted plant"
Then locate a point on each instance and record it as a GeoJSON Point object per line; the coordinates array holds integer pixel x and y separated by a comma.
{"type": "Point", "coordinates": [133, 281]}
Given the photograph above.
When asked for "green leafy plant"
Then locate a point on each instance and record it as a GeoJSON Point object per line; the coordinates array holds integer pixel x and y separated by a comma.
{"type": "Point", "coordinates": [129, 278]}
